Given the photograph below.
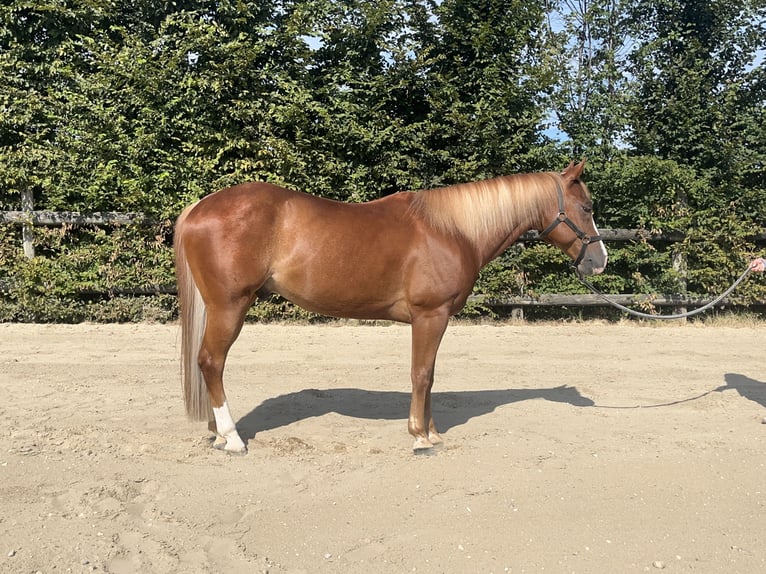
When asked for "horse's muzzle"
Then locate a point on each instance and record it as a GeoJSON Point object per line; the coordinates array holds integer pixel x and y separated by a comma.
{"type": "Point", "coordinates": [592, 259]}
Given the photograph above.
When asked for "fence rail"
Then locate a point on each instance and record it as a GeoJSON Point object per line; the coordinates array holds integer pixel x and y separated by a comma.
{"type": "Point", "coordinates": [29, 218]}
{"type": "Point", "coordinates": [56, 218]}
{"type": "Point", "coordinates": [591, 300]}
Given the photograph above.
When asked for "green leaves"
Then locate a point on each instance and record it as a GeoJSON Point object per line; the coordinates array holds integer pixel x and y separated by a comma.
{"type": "Point", "coordinates": [147, 106]}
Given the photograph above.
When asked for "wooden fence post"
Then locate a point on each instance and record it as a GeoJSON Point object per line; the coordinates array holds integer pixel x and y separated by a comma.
{"type": "Point", "coordinates": [27, 229]}
{"type": "Point", "coordinates": [517, 313]}
{"type": "Point", "coordinates": [678, 257]}
{"type": "Point", "coordinates": [679, 266]}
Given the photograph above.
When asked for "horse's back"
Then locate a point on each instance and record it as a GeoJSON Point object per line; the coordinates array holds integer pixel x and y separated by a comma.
{"type": "Point", "coordinates": [239, 202]}
{"type": "Point", "coordinates": [254, 200]}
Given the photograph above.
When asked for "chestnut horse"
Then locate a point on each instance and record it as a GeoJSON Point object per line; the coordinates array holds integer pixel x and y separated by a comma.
{"type": "Point", "coordinates": [411, 257]}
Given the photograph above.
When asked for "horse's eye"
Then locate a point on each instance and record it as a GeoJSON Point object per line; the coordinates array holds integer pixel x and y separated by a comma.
{"type": "Point", "coordinates": [587, 208]}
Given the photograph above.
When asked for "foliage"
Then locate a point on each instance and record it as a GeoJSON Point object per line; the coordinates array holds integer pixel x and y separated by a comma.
{"type": "Point", "coordinates": [74, 269]}
{"type": "Point", "coordinates": [586, 47]}
{"type": "Point", "coordinates": [146, 106]}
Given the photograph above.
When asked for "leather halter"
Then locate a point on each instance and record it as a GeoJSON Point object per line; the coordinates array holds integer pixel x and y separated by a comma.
{"type": "Point", "coordinates": [562, 218]}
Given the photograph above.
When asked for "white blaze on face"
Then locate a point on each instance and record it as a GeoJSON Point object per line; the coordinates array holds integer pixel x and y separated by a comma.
{"type": "Point", "coordinates": [604, 255]}
{"type": "Point", "coordinates": [601, 245]}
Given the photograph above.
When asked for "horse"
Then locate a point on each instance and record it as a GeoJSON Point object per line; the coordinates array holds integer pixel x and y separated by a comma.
{"type": "Point", "coordinates": [410, 257]}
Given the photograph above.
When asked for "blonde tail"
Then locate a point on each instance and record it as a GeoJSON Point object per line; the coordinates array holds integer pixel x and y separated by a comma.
{"type": "Point", "coordinates": [192, 320]}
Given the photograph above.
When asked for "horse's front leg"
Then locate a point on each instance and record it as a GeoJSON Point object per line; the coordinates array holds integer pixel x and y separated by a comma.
{"type": "Point", "coordinates": [433, 435]}
{"type": "Point", "coordinates": [427, 332]}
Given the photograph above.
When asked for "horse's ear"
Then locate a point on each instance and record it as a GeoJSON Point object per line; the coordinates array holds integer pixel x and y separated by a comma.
{"type": "Point", "coordinates": [573, 170]}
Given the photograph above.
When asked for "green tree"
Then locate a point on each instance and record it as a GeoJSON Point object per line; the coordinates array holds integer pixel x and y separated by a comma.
{"type": "Point", "coordinates": [698, 94]}
{"type": "Point", "coordinates": [587, 47]}
{"type": "Point", "coordinates": [35, 67]}
{"type": "Point", "coordinates": [344, 136]}
{"type": "Point", "coordinates": [486, 84]}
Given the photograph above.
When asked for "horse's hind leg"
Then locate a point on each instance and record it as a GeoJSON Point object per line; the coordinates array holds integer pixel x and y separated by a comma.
{"type": "Point", "coordinates": [221, 330]}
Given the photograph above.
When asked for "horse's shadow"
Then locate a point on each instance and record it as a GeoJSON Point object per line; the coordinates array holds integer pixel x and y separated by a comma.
{"type": "Point", "coordinates": [746, 387]}
{"type": "Point", "coordinates": [450, 409]}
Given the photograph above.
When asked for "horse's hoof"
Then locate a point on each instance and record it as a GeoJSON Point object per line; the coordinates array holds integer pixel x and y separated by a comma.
{"type": "Point", "coordinates": [422, 446]}
{"type": "Point", "coordinates": [236, 452]}
{"type": "Point", "coordinates": [220, 444]}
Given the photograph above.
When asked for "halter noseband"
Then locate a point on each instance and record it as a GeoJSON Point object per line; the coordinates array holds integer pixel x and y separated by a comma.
{"type": "Point", "coordinates": [562, 218]}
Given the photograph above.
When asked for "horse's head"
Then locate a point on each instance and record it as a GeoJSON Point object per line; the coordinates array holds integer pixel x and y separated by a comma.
{"type": "Point", "coordinates": [578, 236]}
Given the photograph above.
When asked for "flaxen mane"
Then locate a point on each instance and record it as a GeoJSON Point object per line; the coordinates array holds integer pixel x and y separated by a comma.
{"type": "Point", "coordinates": [482, 209]}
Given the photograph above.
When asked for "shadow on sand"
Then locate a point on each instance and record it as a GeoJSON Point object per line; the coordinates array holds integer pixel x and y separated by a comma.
{"type": "Point", "coordinates": [746, 387]}
{"type": "Point", "coordinates": [450, 409]}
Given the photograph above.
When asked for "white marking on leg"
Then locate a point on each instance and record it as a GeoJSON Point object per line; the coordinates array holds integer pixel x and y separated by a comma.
{"type": "Point", "coordinates": [227, 429]}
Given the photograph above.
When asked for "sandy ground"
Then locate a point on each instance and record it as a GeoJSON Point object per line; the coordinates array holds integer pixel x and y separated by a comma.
{"type": "Point", "coordinates": [569, 448]}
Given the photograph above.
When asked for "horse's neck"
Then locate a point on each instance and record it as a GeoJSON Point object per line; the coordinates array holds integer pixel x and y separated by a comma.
{"type": "Point", "coordinates": [494, 247]}
{"type": "Point", "coordinates": [530, 216]}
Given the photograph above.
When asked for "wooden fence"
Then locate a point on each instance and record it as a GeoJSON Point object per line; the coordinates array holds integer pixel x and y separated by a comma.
{"type": "Point", "coordinates": [29, 218]}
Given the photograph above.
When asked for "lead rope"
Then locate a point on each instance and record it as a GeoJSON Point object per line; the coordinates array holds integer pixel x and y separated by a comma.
{"type": "Point", "coordinates": [665, 317]}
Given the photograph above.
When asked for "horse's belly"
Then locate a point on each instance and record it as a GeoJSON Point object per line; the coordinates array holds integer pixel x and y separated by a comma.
{"type": "Point", "coordinates": [354, 299]}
